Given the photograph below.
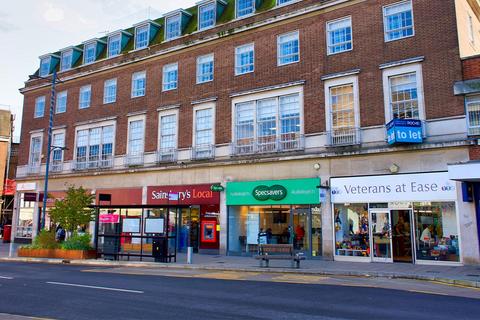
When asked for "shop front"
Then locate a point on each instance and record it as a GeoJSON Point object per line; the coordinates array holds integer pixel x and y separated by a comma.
{"type": "Point", "coordinates": [409, 218]}
{"type": "Point", "coordinates": [274, 212]}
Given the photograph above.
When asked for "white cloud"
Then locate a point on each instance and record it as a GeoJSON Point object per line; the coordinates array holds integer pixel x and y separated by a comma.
{"type": "Point", "coordinates": [53, 13]}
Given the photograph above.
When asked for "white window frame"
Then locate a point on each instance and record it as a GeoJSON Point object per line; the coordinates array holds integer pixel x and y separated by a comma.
{"type": "Point", "coordinates": [245, 15]}
{"type": "Point", "coordinates": [214, 3]}
{"type": "Point", "coordinates": [131, 119]}
{"type": "Point", "coordinates": [252, 44]}
{"type": "Point", "coordinates": [47, 60]}
{"type": "Point", "coordinates": [58, 98]}
{"type": "Point", "coordinates": [268, 95]}
{"type": "Point", "coordinates": [166, 113]}
{"type": "Point", "coordinates": [175, 16]}
{"type": "Point", "coordinates": [32, 136]}
{"type": "Point", "coordinates": [80, 95]}
{"type": "Point", "coordinates": [65, 53]}
{"type": "Point", "coordinates": [327, 35]}
{"type": "Point", "coordinates": [297, 33]}
{"type": "Point", "coordinates": [55, 132]}
{"type": "Point", "coordinates": [471, 99]}
{"type": "Point", "coordinates": [337, 82]}
{"type": "Point", "coordinates": [135, 77]}
{"type": "Point", "coordinates": [85, 49]}
{"type": "Point", "coordinates": [37, 100]}
{"type": "Point", "coordinates": [90, 126]}
{"type": "Point", "coordinates": [385, 31]}
{"type": "Point", "coordinates": [286, 3]}
{"type": "Point", "coordinates": [137, 28]}
{"type": "Point", "coordinates": [164, 74]}
{"type": "Point", "coordinates": [397, 71]}
{"type": "Point", "coordinates": [199, 107]}
{"type": "Point", "coordinates": [105, 91]}
{"type": "Point", "coordinates": [114, 37]}
{"type": "Point", "coordinates": [212, 56]}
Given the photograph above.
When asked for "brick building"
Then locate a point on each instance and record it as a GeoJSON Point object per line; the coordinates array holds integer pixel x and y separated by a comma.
{"type": "Point", "coordinates": [323, 121]}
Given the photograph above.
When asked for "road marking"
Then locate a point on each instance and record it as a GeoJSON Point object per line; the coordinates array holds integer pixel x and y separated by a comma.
{"type": "Point", "coordinates": [428, 292]}
{"type": "Point", "coordinates": [8, 278]}
{"type": "Point", "coordinates": [93, 287]}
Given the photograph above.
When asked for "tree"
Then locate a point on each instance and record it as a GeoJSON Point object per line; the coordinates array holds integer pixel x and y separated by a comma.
{"type": "Point", "coordinates": [74, 210]}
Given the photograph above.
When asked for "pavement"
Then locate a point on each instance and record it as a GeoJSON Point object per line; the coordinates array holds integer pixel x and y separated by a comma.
{"type": "Point", "coordinates": [74, 292]}
{"type": "Point", "coordinates": [468, 275]}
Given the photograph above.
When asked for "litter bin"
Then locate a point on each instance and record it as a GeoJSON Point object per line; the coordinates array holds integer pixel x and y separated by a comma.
{"type": "Point", "coordinates": [7, 233]}
{"type": "Point", "coordinates": [160, 249]}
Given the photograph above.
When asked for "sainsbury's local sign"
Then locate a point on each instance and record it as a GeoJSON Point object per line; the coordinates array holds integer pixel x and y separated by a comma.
{"type": "Point", "coordinates": [434, 186]}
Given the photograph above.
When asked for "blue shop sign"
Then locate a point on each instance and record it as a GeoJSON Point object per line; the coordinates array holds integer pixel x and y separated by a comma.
{"type": "Point", "coordinates": [404, 131]}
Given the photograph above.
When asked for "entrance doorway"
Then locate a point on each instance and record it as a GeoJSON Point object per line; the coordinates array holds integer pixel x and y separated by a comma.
{"type": "Point", "coordinates": [402, 235]}
{"type": "Point", "coordinates": [189, 222]}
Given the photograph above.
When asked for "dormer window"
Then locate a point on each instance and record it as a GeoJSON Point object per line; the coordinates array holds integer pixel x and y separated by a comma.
{"type": "Point", "coordinates": [173, 29]}
{"type": "Point", "coordinates": [114, 45]}
{"type": "Point", "coordinates": [45, 66]}
{"type": "Point", "coordinates": [66, 62]}
{"type": "Point", "coordinates": [245, 7]}
{"type": "Point", "coordinates": [206, 16]}
{"type": "Point", "coordinates": [89, 52]}
{"type": "Point", "coordinates": [142, 36]}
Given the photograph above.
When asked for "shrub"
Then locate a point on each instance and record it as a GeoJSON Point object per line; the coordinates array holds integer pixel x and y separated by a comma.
{"type": "Point", "coordinates": [77, 242]}
{"type": "Point", "coordinates": [45, 240]}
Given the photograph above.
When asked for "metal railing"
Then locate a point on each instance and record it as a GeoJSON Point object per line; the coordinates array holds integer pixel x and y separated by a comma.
{"type": "Point", "coordinates": [96, 162]}
{"type": "Point", "coordinates": [269, 144]}
{"type": "Point", "coordinates": [134, 159]}
{"type": "Point", "coordinates": [167, 155]}
{"type": "Point", "coordinates": [343, 137]}
{"type": "Point", "coordinates": [203, 151]}
{"type": "Point", "coordinates": [474, 131]}
{"type": "Point", "coordinates": [56, 166]}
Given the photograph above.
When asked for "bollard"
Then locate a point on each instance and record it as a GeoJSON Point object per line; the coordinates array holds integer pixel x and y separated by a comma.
{"type": "Point", "coordinates": [189, 255]}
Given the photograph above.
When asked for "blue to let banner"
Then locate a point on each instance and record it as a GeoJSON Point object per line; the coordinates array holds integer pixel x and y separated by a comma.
{"type": "Point", "coordinates": [404, 131]}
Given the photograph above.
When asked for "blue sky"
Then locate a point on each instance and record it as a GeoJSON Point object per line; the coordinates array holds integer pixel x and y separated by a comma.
{"type": "Point", "coordinates": [30, 28]}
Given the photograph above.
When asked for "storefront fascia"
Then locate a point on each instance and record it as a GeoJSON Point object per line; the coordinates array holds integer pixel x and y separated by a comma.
{"type": "Point", "coordinates": [274, 211]}
{"type": "Point", "coordinates": [387, 213]}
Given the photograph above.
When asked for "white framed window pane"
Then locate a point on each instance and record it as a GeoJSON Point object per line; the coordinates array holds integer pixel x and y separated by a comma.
{"type": "Point", "coordinates": [289, 114]}
{"type": "Point", "coordinates": [141, 37]}
{"type": "Point", "coordinates": [173, 27]}
{"type": "Point", "coordinates": [58, 140]}
{"type": "Point", "coordinates": [170, 77]}
{"type": "Point", "coordinates": [39, 107]}
{"type": "Point", "coordinates": [61, 105]}
{"type": "Point", "coordinates": [404, 96]}
{"type": "Point", "coordinates": [110, 91]}
{"type": "Point", "coordinates": [35, 151]}
{"type": "Point", "coordinates": [339, 35]}
{"type": "Point", "coordinates": [135, 139]}
{"type": "Point", "coordinates": [114, 45]}
{"type": "Point", "coordinates": [244, 123]}
{"type": "Point", "coordinates": [138, 84]}
{"type": "Point", "coordinates": [398, 20]}
{"type": "Point", "coordinates": [288, 50]}
{"type": "Point", "coordinates": [204, 127]}
{"type": "Point", "coordinates": [245, 7]}
{"type": "Point", "coordinates": [205, 68]}
{"type": "Point", "coordinates": [283, 1]}
{"type": "Point", "coordinates": [473, 114]}
{"type": "Point", "coordinates": [168, 132]}
{"type": "Point", "coordinates": [85, 97]}
{"type": "Point", "coordinates": [267, 111]}
{"type": "Point", "coordinates": [89, 52]}
{"type": "Point", "coordinates": [206, 16]}
{"type": "Point", "coordinates": [244, 59]}
{"type": "Point", "coordinates": [342, 112]}
{"type": "Point", "coordinates": [44, 67]}
{"type": "Point", "coordinates": [66, 60]}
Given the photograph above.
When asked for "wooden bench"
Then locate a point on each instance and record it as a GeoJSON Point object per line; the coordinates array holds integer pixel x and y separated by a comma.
{"type": "Point", "coordinates": [267, 252]}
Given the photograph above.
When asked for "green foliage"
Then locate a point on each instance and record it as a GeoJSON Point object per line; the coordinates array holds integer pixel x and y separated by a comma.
{"type": "Point", "coordinates": [74, 210]}
{"type": "Point", "coordinates": [266, 5]}
{"type": "Point", "coordinates": [44, 240]}
{"type": "Point", "coordinates": [77, 242]}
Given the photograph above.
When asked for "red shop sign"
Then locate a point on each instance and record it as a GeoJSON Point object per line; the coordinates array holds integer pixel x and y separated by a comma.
{"type": "Point", "coordinates": [182, 195]}
{"type": "Point", "coordinates": [109, 218]}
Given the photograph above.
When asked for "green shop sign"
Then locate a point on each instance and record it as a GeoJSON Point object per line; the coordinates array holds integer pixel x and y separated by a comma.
{"type": "Point", "coordinates": [271, 192]}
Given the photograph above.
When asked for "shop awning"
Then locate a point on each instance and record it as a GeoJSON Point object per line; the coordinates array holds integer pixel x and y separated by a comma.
{"type": "Point", "coordinates": [465, 171]}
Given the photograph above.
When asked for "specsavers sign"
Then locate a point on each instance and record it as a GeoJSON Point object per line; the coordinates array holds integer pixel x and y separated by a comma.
{"type": "Point", "coordinates": [390, 188]}
{"type": "Point", "coordinates": [270, 192]}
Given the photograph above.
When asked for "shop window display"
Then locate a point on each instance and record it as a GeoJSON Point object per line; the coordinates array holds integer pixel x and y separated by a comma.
{"type": "Point", "coordinates": [436, 231]}
{"type": "Point", "coordinates": [351, 230]}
